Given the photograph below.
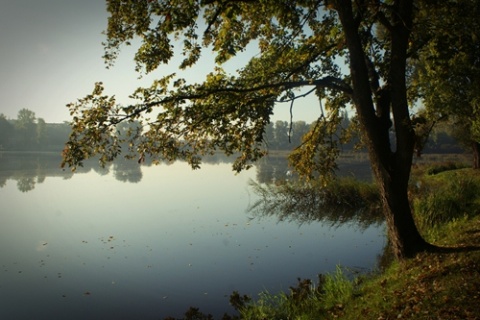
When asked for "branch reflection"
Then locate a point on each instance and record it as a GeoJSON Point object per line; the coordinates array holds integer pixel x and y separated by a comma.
{"type": "Point", "coordinates": [344, 200]}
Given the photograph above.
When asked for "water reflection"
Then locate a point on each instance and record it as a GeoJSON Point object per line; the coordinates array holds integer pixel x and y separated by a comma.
{"type": "Point", "coordinates": [30, 169]}
{"type": "Point", "coordinates": [281, 194]}
{"type": "Point", "coordinates": [271, 169]}
{"type": "Point", "coordinates": [302, 202]}
{"type": "Point", "coordinates": [98, 249]}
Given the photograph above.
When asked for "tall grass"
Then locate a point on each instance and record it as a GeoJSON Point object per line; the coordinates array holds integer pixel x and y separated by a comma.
{"type": "Point", "coordinates": [337, 289]}
{"type": "Point", "coordinates": [304, 302]}
{"type": "Point", "coordinates": [446, 196]}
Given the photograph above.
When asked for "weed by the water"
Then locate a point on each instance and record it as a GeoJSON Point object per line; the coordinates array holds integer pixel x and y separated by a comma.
{"type": "Point", "coordinates": [445, 197]}
{"type": "Point", "coordinates": [308, 300]}
{"type": "Point", "coordinates": [446, 166]}
{"type": "Point", "coordinates": [337, 289]}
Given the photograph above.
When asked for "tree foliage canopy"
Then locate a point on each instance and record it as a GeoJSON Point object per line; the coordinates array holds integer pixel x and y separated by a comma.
{"type": "Point", "coordinates": [292, 45]}
{"type": "Point", "coordinates": [297, 45]}
{"type": "Point", "coordinates": [447, 70]}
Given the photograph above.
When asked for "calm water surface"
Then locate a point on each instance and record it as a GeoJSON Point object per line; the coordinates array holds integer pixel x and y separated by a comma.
{"type": "Point", "coordinates": [88, 246]}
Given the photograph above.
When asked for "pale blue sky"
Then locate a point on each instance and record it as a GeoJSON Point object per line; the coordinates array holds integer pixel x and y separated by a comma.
{"type": "Point", "coordinates": [51, 55]}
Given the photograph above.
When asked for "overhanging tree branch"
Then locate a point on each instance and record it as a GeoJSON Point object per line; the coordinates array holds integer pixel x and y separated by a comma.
{"type": "Point", "coordinates": [326, 82]}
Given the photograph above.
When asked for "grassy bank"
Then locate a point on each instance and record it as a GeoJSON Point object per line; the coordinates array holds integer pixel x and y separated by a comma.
{"type": "Point", "coordinates": [431, 286]}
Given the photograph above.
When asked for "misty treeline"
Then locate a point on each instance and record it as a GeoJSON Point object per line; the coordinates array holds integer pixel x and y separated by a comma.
{"type": "Point", "coordinates": [31, 133]}
{"type": "Point", "coordinates": [284, 135]}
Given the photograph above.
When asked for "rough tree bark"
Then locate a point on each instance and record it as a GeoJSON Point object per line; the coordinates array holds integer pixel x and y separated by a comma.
{"type": "Point", "coordinates": [476, 155]}
{"type": "Point", "coordinates": [391, 167]}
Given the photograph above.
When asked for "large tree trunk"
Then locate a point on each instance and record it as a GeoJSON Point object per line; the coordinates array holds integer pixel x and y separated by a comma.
{"type": "Point", "coordinates": [391, 168]}
{"type": "Point", "coordinates": [403, 234]}
{"type": "Point", "coordinates": [476, 155]}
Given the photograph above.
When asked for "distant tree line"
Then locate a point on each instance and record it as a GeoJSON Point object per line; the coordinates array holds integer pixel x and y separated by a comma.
{"type": "Point", "coordinates": [29, 133]}
{"type": "Point", "coordinates": [286, 136]}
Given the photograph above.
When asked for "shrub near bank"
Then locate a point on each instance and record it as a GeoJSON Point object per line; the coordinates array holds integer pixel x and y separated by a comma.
{"type": "Point", "coordinates": [442, 196]}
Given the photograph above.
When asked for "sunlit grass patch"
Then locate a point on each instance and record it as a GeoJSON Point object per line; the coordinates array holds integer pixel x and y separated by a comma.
{"type": "Point", "coordinates": [308, 300]}
{"type": "Point", "coordinates": [430, 286]}
{"type": "Point", "coordinates": [445, 198]}
{"type": "Point", "coordinates": [338, 289]}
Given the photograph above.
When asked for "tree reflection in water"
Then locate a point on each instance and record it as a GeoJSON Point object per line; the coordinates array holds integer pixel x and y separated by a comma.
{"type": "Point", "coordinates": [31, 168]}
{"type": "Point", "coordinates": [127, 171]}
{"type": "Point", "coordinates": [25, 184]}
{"type": "Point", "coordinates": [344, 200]}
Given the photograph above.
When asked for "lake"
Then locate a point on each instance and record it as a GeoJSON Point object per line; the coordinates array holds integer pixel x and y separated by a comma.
{"type": "Point", "coordinates": [147, 242]}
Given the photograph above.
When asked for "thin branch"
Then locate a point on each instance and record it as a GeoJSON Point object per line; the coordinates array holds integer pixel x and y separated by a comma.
{"type": "Point", "coordinates": [310, 60]}
{"type": "Point", "coordinates": [384, 21]}
{"type": "Point", "coordinates": [215, 16]}
{"type": "Point", "coordinates": [291, 122]}
{"type": "Point", "coordinates": [321, 107]}
{"type": "Point", "coordinates": [317, 124]}
{"type": "Point", "coordinates": [327, 82]}
{"type": "Point", "coordinates": [221, 7]}
{"type": "Point", "coordinates": [426, 136]}
{"type": "Point", "coordinates": [292, 100]}
{"type": "Point", "coordinates": [380, 15]}
{"type": "Point", "coordinates": [299, 96]}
